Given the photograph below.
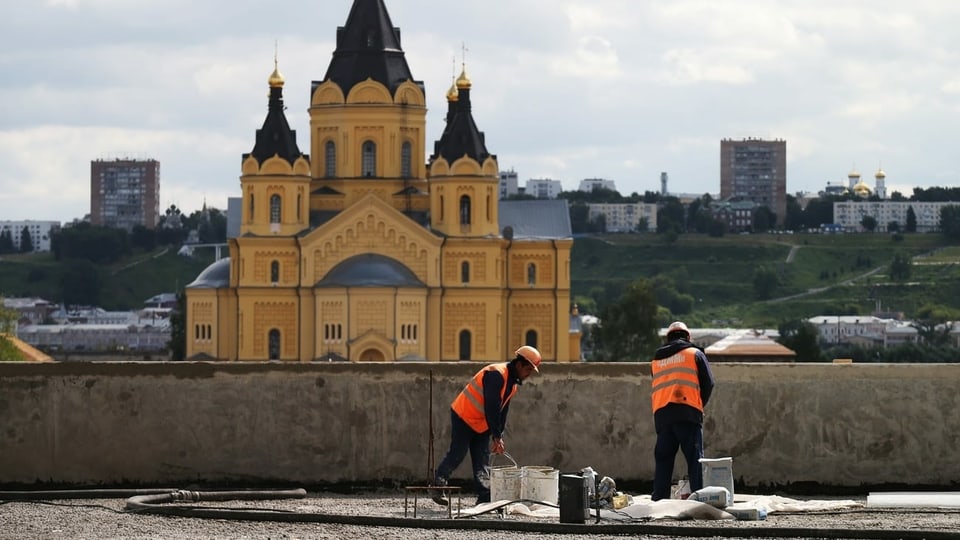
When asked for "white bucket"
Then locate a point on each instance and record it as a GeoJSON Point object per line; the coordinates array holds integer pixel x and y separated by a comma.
{"type": "Point", "coordinates": [718, 472]}
{"type": "Point", "coordinates": [505, 483]}
{"type": "Point", "coordinates": [540, 484]}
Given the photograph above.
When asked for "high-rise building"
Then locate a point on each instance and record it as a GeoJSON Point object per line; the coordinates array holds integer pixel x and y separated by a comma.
{"type": "Point", "coordinates": [755, 170]}
{"type": "Point", "coordinates": [362, 251]}
{"type": "Point", "coordinates": [125, 193]}
{"type": "Point", "coordinates": [590, 184]}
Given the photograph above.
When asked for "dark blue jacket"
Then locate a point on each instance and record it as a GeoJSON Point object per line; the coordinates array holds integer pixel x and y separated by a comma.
{"type": "Point", "coordinates": [492, 386]}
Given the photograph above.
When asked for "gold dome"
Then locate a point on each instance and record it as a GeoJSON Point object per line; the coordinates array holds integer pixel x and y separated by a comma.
{"type": "Point", "coordinates": [463, 82]}
{"type": "Point", "coordinates": [453, 94]}
{"type": "Point", "coordinates": [881, 174]}
{"type": "Point", "coordinates": [276, 79]}
{"type": "Point", "coordinates": [854, 174]}
{"type": "Point", "coordinates": [861, 190]}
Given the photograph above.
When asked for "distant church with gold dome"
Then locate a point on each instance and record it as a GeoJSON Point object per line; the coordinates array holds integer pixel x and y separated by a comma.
{"type": "Point", "coordinates": [362, 251]}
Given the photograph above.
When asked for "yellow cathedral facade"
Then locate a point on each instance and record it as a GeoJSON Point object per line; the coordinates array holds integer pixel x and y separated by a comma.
{"type": "Point", "coordinates": [361, 251]}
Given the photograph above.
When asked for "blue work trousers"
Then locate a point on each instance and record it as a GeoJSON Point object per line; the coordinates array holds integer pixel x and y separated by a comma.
{"type": "Point", "coordinates": [687, 437]}
{"type": "Point", "coordinates": [462, 439]}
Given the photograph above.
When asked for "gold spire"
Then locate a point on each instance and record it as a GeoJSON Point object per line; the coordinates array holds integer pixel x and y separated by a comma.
{"type": "Point", "coordinates": [276, 79]}
{"type": "Point", "coordinates": [463, 82]}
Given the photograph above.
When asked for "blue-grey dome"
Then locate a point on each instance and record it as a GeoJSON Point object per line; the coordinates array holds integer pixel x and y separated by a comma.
{"type": "Point", "coordinates": [370, 270]}
{"type": "Point", "coordinates": [215, 276]}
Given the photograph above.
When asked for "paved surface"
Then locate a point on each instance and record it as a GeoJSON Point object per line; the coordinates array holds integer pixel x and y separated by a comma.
{"type": "Point", "coordinates": [108, 519]}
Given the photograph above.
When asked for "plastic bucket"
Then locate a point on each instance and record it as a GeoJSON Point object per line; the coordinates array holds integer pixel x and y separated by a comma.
{"type": "Point", "coordinates": [505, 483]}
{"type": "Point", "coordinates": [540, 484]}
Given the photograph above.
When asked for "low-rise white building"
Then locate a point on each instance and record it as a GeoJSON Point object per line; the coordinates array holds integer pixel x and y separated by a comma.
{"type": "Point", "coordinates": [543, 188]}
{"type": "Point", "coordinates": [863, 330]}
{"type": "Point", "coordinates": [590, 184]}
{"type": "Point", "coordinates": [40, 232]}
{"type": "Point", "coordinates": [850, 214]}
{"type": "Point", "coordinates": [624, 217]}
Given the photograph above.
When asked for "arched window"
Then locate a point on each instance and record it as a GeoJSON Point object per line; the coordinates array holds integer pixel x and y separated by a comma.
{"type": "Point", "coordinates": [369, 164]}
{"type": "Point", "coordinates": [465, 210]}
{"type": "Point", "coordinates": [274, 208]}
{"type": "Point", "coordinates": [406, 159]}
{"type": "Point", "coordinates": [330, 159]}
{"type": "Point", "coordinates": [274, 271]}
{"type": "Point", "coordinates": [464, 345]}
{"type": "Point", "coordinates": [274, 344]}
{"type": "Point", "coordinates": [250, 210]}
{"type": "Point", "coordinates": [531, 274]}
{"type": "Point", "coordinates": [465, 272]}
{"type": "Point", "coordinates": [531, 338]}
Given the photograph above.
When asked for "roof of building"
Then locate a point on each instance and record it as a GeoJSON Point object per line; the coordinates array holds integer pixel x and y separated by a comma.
{"type": "Point", "coordinates": [542, 218]}
{"type": "Point", "coordinates": [368, 47]}
{"type": "Point", "coordinates": [749, 344]}
{"type": "Point", "coordinates": [370, 270]}
{"type": "Point", "coordinates": [215, 276]}
{"type": "Point", "coordinates": [28, 351]}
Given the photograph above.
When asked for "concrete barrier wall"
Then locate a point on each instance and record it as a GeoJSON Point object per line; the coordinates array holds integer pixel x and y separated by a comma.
{"type": "Point", "coordinates": [171, 423]}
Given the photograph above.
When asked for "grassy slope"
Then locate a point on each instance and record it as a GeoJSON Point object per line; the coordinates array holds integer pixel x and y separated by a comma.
{"type": "Point", "coordinates": [125, 284]}
{"type": "Point", "coordinates": [720, 273]}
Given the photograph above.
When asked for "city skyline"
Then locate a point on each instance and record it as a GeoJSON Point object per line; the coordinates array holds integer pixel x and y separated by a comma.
{"type": "Point", "coordinates": [565, 90]}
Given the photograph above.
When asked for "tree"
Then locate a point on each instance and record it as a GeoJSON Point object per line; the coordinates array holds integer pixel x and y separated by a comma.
{"type": "Point", "coordinates": [765, 281]}
{"type": "Point", "coordinates": [763, 219]}
{"type": "Point", "coordinates": [869, 223]}
{"type": "Point", "coordinates": [8, 352]}
{"type": "Point", "coordinates": [911, 220]}
{"type": "Point", "coordinates": [670, 216]}
{"type": "Point", "coordinates": [900, 268]}
{"type": "Point", "coordinates": [26, 241]}
{"type": "Point", "coordinates": [80, 284]}
{"type": "Point", "coordinates": [178, 328]}
{"type": "Point", "coordinates": [794, 218]}
{"type": "Point", "coordinates": [6, 242]}
{"type": "Point", "coordinates": [628, 328]}
{"type": "Point", "coordinates": [801, 337]}
{"type": "Point", "coordinates": [893, 227]}
{"type": "Point", "coordinates": [950, 222]}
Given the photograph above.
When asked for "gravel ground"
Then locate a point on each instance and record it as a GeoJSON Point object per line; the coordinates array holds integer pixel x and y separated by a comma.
{"type": "Point", "coordinates": [108, 519]}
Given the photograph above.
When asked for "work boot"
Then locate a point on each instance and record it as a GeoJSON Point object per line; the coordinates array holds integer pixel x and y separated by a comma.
{"type": "Point", "coordinates": [438, 496]}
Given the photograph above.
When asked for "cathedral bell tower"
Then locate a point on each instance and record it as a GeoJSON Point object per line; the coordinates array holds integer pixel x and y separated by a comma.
{"type": "Point", "coordinates": [275, 177]}
{"type": "Point", "coordinates": [464, 177]}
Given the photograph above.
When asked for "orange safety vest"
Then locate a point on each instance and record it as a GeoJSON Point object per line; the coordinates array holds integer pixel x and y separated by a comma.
{"type": "Point", "coordinates": [675, 380]}
{"type": "Point", "coordinates": [469, 403]}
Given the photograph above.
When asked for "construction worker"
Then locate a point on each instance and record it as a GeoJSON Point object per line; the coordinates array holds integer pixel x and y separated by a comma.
{"type": "Point", "coordinates": [682, 384]}
{"type": "Point", "coordinates": [479, 414]}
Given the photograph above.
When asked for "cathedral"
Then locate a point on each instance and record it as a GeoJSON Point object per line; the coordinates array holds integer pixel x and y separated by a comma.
{"type": "Point", "coordinates": [362, 250]}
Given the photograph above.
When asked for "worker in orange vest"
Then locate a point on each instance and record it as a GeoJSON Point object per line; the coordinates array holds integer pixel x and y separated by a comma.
{"type": "Point", "coordinates": [682, 384]}
{"type": "Point", "coordinates": [479, 414]}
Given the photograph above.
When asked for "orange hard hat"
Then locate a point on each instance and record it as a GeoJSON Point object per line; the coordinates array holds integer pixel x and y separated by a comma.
{"type": "Point", "coordinates": [530, 354]}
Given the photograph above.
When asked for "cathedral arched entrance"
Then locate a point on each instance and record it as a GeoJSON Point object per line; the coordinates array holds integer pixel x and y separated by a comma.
{"type": "Point", "coordinates": [372, 355]}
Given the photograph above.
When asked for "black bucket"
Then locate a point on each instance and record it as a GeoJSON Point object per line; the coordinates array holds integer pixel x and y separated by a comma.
{"type": "Point", "coordinates": [574, 498]}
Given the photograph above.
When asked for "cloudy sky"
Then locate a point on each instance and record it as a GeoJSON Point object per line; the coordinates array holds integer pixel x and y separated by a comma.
{"type": "Point", "coordinates": [563, 89]}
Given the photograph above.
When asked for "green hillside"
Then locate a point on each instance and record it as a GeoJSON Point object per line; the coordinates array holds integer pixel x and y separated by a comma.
{"type": "Point", "coordinates": [120, 286]}
{"type": "Point", "coordinates": [817, 274]}
{"type": "Point", "coordinates": [825, 275]}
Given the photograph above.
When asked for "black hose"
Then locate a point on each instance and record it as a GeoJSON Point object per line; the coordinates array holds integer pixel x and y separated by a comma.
{"type": "Point", "coordinates": [152, 502]}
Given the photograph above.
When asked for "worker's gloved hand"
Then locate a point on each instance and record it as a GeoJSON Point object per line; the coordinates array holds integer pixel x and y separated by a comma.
{"type": "Point", "coordinates": [497, 447]}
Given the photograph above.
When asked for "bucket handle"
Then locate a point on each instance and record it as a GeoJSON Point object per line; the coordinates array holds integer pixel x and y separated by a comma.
{"type": "Point", "coordinates": [506, 455]}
